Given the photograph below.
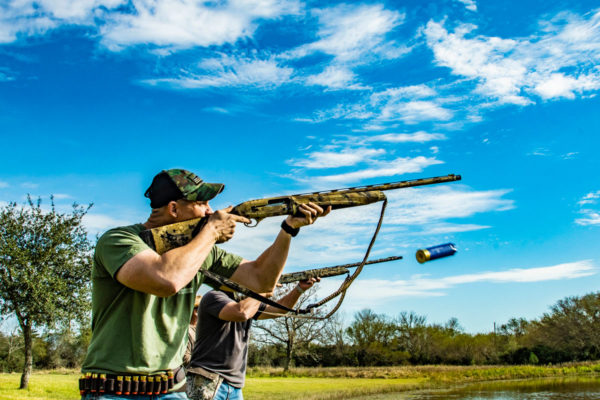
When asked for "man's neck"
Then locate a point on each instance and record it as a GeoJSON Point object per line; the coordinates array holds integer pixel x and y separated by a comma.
{"type": "Point", "coordinates": [157, 219]}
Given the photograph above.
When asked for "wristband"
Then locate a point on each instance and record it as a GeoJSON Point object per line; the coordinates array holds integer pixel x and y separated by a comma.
{"type": "Point", "coordinates": [299, 289]}
{"type": "Point", "coordinates": [288, 229]}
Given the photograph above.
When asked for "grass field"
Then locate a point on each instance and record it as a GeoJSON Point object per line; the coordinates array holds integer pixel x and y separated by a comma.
{"type": "Point", "coordinates": [318, 383]}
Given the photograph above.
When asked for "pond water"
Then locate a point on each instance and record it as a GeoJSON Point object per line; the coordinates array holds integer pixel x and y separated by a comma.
{"type": "Point", "coordinates": [542, 389]}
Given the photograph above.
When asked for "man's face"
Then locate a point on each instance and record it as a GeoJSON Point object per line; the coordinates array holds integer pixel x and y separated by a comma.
{"type": "Point", "coordinates": [192, 209]}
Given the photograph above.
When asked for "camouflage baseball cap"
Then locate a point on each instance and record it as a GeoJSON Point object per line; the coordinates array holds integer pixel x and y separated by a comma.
{"type": "Point", "coordinates": [175, 184]}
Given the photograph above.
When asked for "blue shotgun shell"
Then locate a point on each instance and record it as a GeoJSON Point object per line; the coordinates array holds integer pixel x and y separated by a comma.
{"type": "Point", "coordinates": [431, 253]}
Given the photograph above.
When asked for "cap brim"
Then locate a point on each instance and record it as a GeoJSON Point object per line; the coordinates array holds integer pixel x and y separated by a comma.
{"type": "Point", "coordinates": [205, 192]}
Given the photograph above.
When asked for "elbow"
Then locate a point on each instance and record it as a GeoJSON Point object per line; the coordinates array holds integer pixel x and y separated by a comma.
{"type": "Point", "coordinates": [167, 289]}
{"type": "Point", "coordinates": [266, 284]}
{"type": "Point", "coordinates": [241, 316]}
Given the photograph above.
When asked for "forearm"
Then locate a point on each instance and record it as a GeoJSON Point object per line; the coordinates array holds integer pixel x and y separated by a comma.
{"type": "Point", "coordinates": [164, 275]}
{"type": "Point", "coordinates": [240, 311]}
{"type": "Point", "coordinates": [262, 274]}
{"type": "Point", "coordinates": [289, 300]}
{"type": "Point", "coordinates": [180, 265]}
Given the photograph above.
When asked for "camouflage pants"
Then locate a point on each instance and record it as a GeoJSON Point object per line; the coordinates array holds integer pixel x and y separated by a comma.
{"type": "Point", "coordinates": [200, 387]}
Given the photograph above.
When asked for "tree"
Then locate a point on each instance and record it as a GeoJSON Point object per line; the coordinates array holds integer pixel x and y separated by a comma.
{"type": "Point", "coordinates": [45, 264]}
{"type": "Point", "coordinates": [374, 338]}
{"type": "Point", "coordinates": [11, 345]}
{"type": "Point", "coordinates": [570, 329]}
{"type": "Point", "coordinates": [413, 336]}
{"type": "Point", "coordinates": [292, 332]}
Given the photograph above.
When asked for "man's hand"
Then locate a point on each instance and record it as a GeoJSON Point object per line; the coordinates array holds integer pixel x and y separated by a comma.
{"type": "Point", "coordinates": [223, 224]}
{"type": "Point", "coordinates": [307, 284]}
{"type": "Point", "coordinates": [310, 211]}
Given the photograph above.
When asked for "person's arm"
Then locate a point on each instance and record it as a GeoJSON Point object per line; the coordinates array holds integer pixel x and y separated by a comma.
{"type": "Point", "coordinates": [261, 275]}
{"type": "Point", "coordinates": [240, 311]}
{"type": "Point", "coordinates": [245, 309]}
{"type": "Point", "coordinates": [290, 299]}
{"type": "Point", "coordinates": [165, 274]}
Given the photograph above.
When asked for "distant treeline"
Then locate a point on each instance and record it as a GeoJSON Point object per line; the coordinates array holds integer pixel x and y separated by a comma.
{"type": "Point", "coordinates": [568, 332]}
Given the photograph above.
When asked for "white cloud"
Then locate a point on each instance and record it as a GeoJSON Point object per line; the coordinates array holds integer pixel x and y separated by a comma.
{"type": "Point", "coordinates": [18, 18]}
{"type": "Point", "coordinates": [3, 184]}
{"type": "Point", "coordinates": [413, 112]}
{"type": "Point", "coordinates": [446, 228]}
{"type": "Point", "coordinates": [335, 159]}
{"type": "Point", "coordinates": [398, 166]}
{"type": "Point", "coordinates": [590, 198]}
{"type": "Point", "coordinates": [557, 85]}
{"type": "Point", "coordinates": [541, 152]}
{"type": "Point", "coordinates": [416, 137]}
{"type": "Point", "coordinates": [22, 18]}
{"type": "Point", "coordinates": [364, 292]}
{"type": "Point", "coordinates": [170, 24]}
{"type": "Point", "coordinates": [408, 104]}
{"type": "Point", "coordinates": [352, 33]}
{"type": "Point", "coordinates": [516, 70]}
{"type": "Point", "coordinates": [429, 206]}
{"type": "Point", "coordinates": [469, 4]}
{"type": "Point", "coordinates": [5, 74]}
{"type": "Point", "coordinates": [98, 223]}
{"type": "Point", "coordinates": [405, 92]}
{"type": "Point", "coordinates": [335, 77]}
{"type": "Point", "coordinates": [590, 216]}
{"type": "Point", "coordinates": [181, 24]}
{"type": "Point", "coordinates": [480, 58]}
{"type": "Point", "coordinates": [230, 71]}
{"type": "Point", "coordinates": [570, 155]}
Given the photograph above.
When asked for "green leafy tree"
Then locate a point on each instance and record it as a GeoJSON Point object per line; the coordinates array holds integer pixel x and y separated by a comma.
{"type": "Point", "coordinates": [570, 329]}
{"type": "Point", "coordinates": [374, 338]}
{"type": "Point", "coordinates": [45, 263]}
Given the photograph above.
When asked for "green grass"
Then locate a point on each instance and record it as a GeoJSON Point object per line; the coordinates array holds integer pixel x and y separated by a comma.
{"type": "Point", "coordinates": [323, 388]}
{"type": "Point", "coordinates": [61, 385]}
{"type": "Point", "coordinates": [321, 383]}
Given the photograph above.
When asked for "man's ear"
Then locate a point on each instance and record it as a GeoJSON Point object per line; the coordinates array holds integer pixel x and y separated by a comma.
{"type": "Point", "coordinates": [172, 209]}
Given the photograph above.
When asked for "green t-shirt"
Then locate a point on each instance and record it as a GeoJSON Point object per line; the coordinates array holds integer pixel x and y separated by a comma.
{"type": "Point", "coordinates": [135, 332]}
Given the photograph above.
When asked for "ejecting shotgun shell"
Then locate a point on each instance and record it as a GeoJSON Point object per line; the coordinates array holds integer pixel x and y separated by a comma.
{"type": "Point", "coordinates": [431, 253]}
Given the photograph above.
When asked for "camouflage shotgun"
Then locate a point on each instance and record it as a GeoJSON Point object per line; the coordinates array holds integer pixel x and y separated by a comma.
{"type": "Point", "coordinates": [165, 238]}
{"type": "Point", "coordinates": [328, 271]}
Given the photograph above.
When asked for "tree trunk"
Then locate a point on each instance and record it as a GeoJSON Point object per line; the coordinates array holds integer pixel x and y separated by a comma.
{"type": "Point", "coordinates": [289, 353]}
{"type": "Point", "coordinates": [27, 339]}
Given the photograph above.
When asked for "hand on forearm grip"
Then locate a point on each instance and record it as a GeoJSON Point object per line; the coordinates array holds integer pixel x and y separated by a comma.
{"type": "Point", "coordinates": [310, 212]}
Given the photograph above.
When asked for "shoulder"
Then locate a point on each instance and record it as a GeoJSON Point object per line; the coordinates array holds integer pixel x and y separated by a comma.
{"type": "Point", "coordinates": [116, 246]}
{"type": "Point", "coordinates": [122, 232]}
{"type": "Point", "coordinates": [121, 235]}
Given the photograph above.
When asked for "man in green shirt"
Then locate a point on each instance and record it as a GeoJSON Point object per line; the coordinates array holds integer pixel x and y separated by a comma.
{"type": "Point", "coordinates": [142, 301]}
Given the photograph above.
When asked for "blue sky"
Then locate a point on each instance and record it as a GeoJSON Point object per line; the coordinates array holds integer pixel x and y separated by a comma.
{"type": "Point", "coordinates": [279, 97]}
